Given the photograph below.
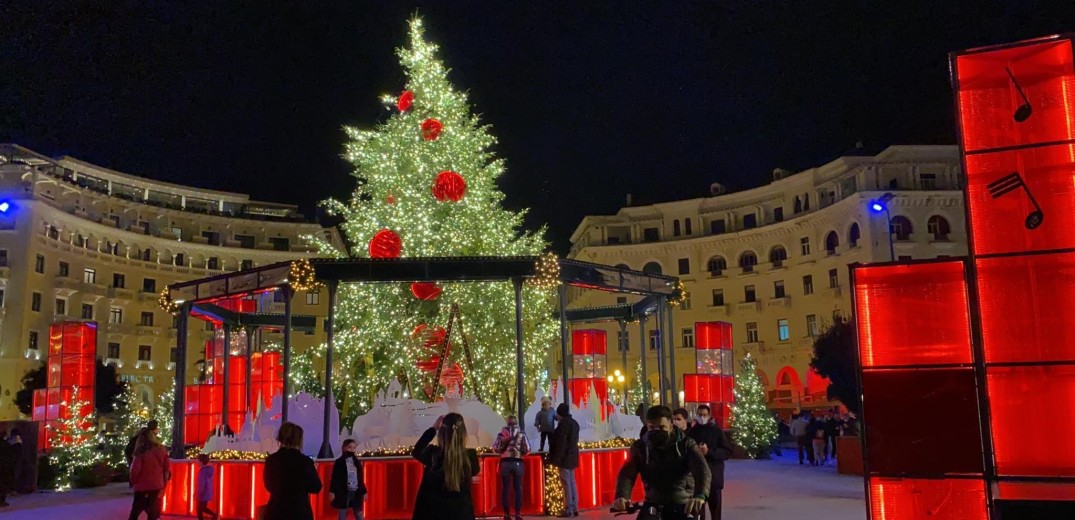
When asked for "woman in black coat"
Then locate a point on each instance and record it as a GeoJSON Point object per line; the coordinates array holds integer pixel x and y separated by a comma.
{"type": "Point", "coordinates": [347, 488]}
{"type": "Point", "coordinates": [290, 478]}
{"type": "Point", "coordinates": [444, 493]}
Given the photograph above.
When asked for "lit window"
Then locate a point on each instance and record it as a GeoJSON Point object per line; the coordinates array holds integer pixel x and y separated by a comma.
{"type": "Point", "coordinates": [782, 330]}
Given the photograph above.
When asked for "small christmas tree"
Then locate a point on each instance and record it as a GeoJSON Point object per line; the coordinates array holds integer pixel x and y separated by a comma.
{"type": "Point", "coordinates": [75, 441]}
{"type": "Point", "coordinates": [752, 422]}
{"type": "Point", "coordinates": [131, 414]}
{"type": "Point", "coordinates": [162, 412]}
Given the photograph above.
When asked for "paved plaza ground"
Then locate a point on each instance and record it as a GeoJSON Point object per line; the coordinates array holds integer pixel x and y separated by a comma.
{"type": "Point", "coordinates": [756, 490]}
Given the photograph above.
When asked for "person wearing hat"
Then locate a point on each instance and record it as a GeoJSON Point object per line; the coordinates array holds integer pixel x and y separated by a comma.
{"type": "Point", "coordinates": [564, 454]}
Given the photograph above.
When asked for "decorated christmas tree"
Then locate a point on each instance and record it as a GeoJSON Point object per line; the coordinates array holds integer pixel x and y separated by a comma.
{"type": "Point", "coordinates": [75, 441]}
{"type": "Point", "coordinates": [162, 412]}
{"type": "Point", "coordinates": [131, 414]}
{"type": "Point", "coordinates": [752, 422]}
{"type": "Point", "coordinates": [427, 188]}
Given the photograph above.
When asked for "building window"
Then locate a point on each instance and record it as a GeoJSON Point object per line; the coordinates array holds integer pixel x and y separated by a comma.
{"type": "Point", "coordinates": [61, 307]}
{"type": "Point", "coordinates": [65, 269]}
{"type": "Point", "coordinates": [927, 181]}
{"type": "Point", "coordinates": [777, 256]}
{"type": "Point", "coordinates": [804, 245]}
{"type": "Point", "coordinates": [115, 315]}
{"type": "Point", "coordinates": [172, 355]}
{"type": "Point", "coordinates": [675, 228]}
{"type": "Point", "coordinates": [782, 330]}
{"type": "Point", "coordinates": [808, 284]}
{"type": "Point", "coordinates": [750, 221]}
{"type": "Point", "coordinates": [621, 300]}
{"type": "Point", "coordinates": [247, 264]}
{"type": "Point", "coordinates": [752, 332]}
{"type": "Point", "coordinates": [213, 263]}
{"type": "Point", "coordinates": [119, 280]}
{"type": "Point", "coordinates": [652, 268]}
{"type": "Point", "coordinates": [211, 237]}
{"type": "Point", "coordinates": [245, 241]}
{"type": "Point", "coordinates": [811, 325]}
{"type": "Point", "coordinates": [688, 337]}
{"type": "Point", "coordinates": [687, 227]}
{"type": "Point", "coordinates": [778, 214]}
{"type": "Point", "coordinates": [901, 227]}
{"type": "Point", "coordinates": [39, 264]}
{"type": "Point", "coordinates": [904, 258]}
{"type": "Point", "coordinates": [717, 227]}
{"type": "Point", "coordinates": [147, 319]}
{"type": "Point", "coordinates": [749, 295]}
{"type": "Point", "coordinates": [834, 278]}
{"type": "Point", "coordinates": [778, 289]}
{"type": "Point", "coordinates": [3, 257]}
{"type": "Point", "coordinates": [113, 350]}
{"type": "Point", "coordinates": [939, 228]}
{"type": "Point", "coordinates": [650, 234]}
{"type": "Point", "coordinates": [89, 276]}
{"type": "Point", "coordinates": [623, 338]}
{"type": "Point", "coordinates": [684, 266]}
{"type": "Point", "coordinates": [313, 298]}
{"type": "Point", "coordinates": [33, 340]}
{"type": "Point", "coordinates": [716, 265]}
{"type": "Point", "coordinates": [806, 202]}
{"type": "Point", "coordinates": [832, 241]}
{"type": "Point", "coordinates": [180, 260]}
{"type": "Point", "coordinates": [685, 305]}
{"type": "Point", "coordinates": [1, 297]}
{"type": "Point", "coordinates": [35, 302]}
{"type": "Point", "coordinates": [149, 285]}
{"type": "Point", "coordinates": [854, 235]}
{"type": "Point", "coordinates": [145, 353]}
{"type": "Point", "coordinates": [280, 243]}
{"type": "Point", "coordinates": [747, 261]}
{"type": "Point", "coordinates": [718, 297]}
{"type": "Point", "coordinates": [209, 326]}
{"type": "Point", "coordinates": [653, 338]}
{"type": "Point", "coordinates": [87, 311]}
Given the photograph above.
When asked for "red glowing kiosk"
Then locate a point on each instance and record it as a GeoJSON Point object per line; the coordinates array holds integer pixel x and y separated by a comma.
{"type": "Point", "coordinates": [71, 369]}
{"type": "Point", "coordinates": [987, 352]}
{"type": "Point", "coordinates": [714, 380]}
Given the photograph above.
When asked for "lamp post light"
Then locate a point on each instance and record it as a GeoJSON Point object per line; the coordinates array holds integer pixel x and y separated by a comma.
{"type": "Point", "coordinates": [618, 378]}
{"type": "Point", "coordinates": [880, 205]}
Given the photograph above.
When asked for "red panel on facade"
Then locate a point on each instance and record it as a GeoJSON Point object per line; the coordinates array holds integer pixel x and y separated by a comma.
{"type": "Point", "coordinates": [912, 314]}
{"type": "Point", "coordinates": [589, 341]}
{"type": "Point", "coordinates": [946, 438]}
{"type": "Point", "coordinates": [988, 95]}
{"type": "Point", "coordinates": [1033, 419]}
{"type": "Point", "coordinates": [709, 335]}
{"type": "Point", "coordinates": [922, 499]}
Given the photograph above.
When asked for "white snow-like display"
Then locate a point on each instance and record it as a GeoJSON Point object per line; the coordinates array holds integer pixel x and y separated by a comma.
{"type": "Point", "coordinates": [396, 421]}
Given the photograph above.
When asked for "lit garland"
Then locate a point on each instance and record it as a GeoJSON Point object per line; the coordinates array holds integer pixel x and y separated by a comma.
{"type": "Point", "coordinates": [752, 421]}
{"type": "Point", "coordinates": [547, 271]}
{"type": "Point", "coordinates": [679, 294]}
{"type": "Point", "coordinates": [163, 410]}
{"type": "Point", "coordinates": [397, 168]}
{"type": "Point", "coordinates": [165, 302]}
{"type": "Point", "coordinates": [302, 277]}
{"type": "Point", "coordinates": [555, 498]}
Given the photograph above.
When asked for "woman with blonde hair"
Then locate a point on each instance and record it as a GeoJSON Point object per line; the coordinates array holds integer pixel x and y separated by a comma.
{"type": "Point", "coordinates": [448, 468]}
{"type": "Point", "coordinates": [290, 477]}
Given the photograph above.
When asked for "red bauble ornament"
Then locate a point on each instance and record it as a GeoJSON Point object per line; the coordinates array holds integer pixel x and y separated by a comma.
{"type": "Point", "coordinates": [406, 99]}
{"type": "Point", "coordinates": [449, 186]}
{"type": "Point", "coordinates": [451, 379]}
{"type": "Point", "coordinates": [386, 244]}
{"type": "Point", "coordinates": [431, 129]}
{"type": "Point", "coordinates": [426, 291]}
{"type": "Point", "coordinates": [390, 199]}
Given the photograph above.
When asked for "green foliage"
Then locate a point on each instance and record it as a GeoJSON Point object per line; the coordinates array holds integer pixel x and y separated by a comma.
{"type": "Point", "coordinates": [752, 423]}
{"type": "Point", "coordinates": [163, 412]}
{"type": "Point", "coordinates": [33, 379]}
{"type": "Point", "coordinates": [107, 387]}
{"type": "Point", "coordinates": [835, 357]}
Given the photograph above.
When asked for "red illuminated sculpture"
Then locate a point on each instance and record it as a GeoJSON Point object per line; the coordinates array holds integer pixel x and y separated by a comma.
{"type": "Point", "coordinates": [715, 377]}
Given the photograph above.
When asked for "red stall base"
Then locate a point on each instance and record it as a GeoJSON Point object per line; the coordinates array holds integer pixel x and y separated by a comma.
{"type": "Point", "coordinates": [936, 332]}
{"type": "Point", "coordinates": [927, 499]}
{"type": "Point", "coordinates": [393, 483]}
{"type": "Point", "coordinates": [1033, 419]}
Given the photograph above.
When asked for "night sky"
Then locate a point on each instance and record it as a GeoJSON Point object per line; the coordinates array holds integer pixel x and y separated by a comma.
{"type": "Point", "coordinates": [589, 100]}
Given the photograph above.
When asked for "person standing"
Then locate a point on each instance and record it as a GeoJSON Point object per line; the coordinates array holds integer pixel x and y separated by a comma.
{"type": "Point", "coordinates": [716, 448]}
{"type": "Point", "coordinates": [128, 452]}
{"type": "Point", "coordinates": [149, 473]}
{"type": "Point", "coordinates": [290, 478]}
{"type": "Point", "coordinates": [681, 419]}
{"type": "Point", "coordinates": [832, 430]}
{"type": "Point", "coordinates": [512, 446]}
{"type": "Point", "coordinates": [347, 489]}
{"type": "Point", "coordinates": [448, 467]}
{"type": "Point", "coordinates": [203, 488]}
{"type": "Point", "coordinates": [798, 430]}
{"type": "Point", "coordinates": [564, 454]}
{"type": "Point", "coordinates": [545, 421]}
{"type": "Point", "coordinates": [8, 461]}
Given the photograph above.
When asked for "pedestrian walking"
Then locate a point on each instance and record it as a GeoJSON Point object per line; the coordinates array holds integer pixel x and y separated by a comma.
{"type": "Point", "coordinates": [448, 467]}
{"type": "Point", "coordinates": [512, 445]}
{"type": "Point", "coordinates": [149, 473]}
{"type": "Point", "coordinates": [203, 488]}
{"type": "Point", "coordinates": [716, 448]}
{"type": "Point", "coordinates": [347, 490]}
{"type": "Point", "coordinates": [290, 478]}
{"type": "Point", "coordinates": [798, 430]}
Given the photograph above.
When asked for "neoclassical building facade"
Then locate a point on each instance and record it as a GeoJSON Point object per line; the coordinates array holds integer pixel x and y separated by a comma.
{"type": "Point", "coordinates": [773, 261]}
{"type": "Point", "coordinates": [82, 242]}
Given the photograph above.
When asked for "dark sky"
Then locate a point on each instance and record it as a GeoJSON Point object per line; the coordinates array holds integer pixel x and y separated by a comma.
{"type": "Point", "coordinates": [589, 100]}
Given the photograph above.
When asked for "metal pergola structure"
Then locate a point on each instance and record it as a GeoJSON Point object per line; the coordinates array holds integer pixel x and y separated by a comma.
{"type": "Point", "coordinates": [200, 295]}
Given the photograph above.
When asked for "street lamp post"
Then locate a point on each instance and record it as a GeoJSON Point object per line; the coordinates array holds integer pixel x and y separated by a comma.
{"type": "Point", "coordinates": [880, 205]}
{"type": "Point", "coordinates": [618, 378]}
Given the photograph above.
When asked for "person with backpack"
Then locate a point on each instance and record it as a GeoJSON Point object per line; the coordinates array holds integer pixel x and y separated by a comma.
{"type": "Point", "coordinates": [512, 446]}
{"type": "Point", "coordinates": [674, 472]}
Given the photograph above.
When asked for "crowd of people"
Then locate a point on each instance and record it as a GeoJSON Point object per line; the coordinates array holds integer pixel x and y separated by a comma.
{"type": "Point", "coordinates": [815, 435]}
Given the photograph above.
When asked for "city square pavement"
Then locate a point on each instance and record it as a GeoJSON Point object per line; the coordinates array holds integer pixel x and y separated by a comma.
{"type": "Point", "coordinates": [756, 490]}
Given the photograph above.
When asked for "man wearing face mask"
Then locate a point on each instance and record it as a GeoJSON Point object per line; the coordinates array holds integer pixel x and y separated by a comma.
{"type": "Point", "coordinates": [716, 448]}
{"type": "Point", "coordinates": [674, 471]}
{"type": "Point", "coordinates": [512, 446]}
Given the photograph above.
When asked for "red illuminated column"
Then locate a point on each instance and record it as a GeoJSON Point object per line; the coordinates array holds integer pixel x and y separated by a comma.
{"type": "Point", "coordinates": [589, 348]}
{"type": "Point", "coordinates": [714, 365]}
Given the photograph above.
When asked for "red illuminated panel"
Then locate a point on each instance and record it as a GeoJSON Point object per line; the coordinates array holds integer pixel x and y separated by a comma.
{"type": "Point", "coordinates": [589, 341]}
{"type": "Point", "coordinates": [1033, 419]}
{"type": "Point", "coordinates": [1000, 202]}
{"type": "Point", "coordinates": [944, 405]}
{"type": "Point", "coordinates": [922, 499]}
{"type": "Point", "coordinates": [580, 390]}
{"type": "Point", "coordinates": [1026, 308]}
{"type": "Point", "coordinates": [988, 97]}
{"type": "Point", "coordinates": [533, 488]}
{"type": "Point", "coordinates": [706, 388]}
{"type": "Point", "coordinates": [912, 314]}
{"type": "Point", "coordinates": [709, 335]}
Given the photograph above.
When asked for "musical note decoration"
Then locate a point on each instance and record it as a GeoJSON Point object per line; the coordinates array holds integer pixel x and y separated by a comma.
{"type": "Point", "coordinates": [1011, 182]}
{"type": "Point", "coordinates": [1022, 113]}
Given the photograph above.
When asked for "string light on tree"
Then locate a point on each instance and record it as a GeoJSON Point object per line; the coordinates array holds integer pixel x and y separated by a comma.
{"type": "Point", "coordinates": [752, 422]}
{"type": "Point", "coordinates": [165, 302]}
{"type": "Point", "coordinates": [547, 271]}
{"type": "Point", "coordinates": [679, 294]}
{"type": "Point", "coordinates": [75, 440]}
{"type": "Point", "coordinates": [301, 276]}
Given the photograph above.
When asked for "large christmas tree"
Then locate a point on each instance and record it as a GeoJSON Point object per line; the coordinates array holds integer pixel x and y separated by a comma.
{"type": "Point", "coordinates": [752, 422]}
{"type": "Point", "coordinates": [427, 188]}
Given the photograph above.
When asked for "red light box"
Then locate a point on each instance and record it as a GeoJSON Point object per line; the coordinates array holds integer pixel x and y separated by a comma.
{"type": "Point", "coordinates": [710, 335]}
{"type": "Point", "coordinates": [912, 314]}
{"type": "Point", "coordinates": [1033, 419]}
{"type": "Point", "coordinates": [927, 499]}
{"type": "Point", "coordinates": [1024, 307]}
{"type": "Point", "coordinates": [991, 88]}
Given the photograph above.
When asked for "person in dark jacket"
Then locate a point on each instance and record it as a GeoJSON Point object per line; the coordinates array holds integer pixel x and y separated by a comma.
{"type": "Point", "coordinates": [9, 455]}
{"type": "Point", "coordinates": [448, 467]}
{"type": "Point", "coordinates": [716, 448]}
{"type": "Point", "coordinates": [832, 430]}
{"type": "Point", "coordinates": [128, 452]}
{"type": "Point", "coordinates": [290, 477]}
{"type": "Point", "coordinates": [564, 454]}
{"type": "Point", "coordinates": [674, 471]}
{"type": "Point", "coordinates": [347, 489]}
{"type": "Point", "coordinates": [545, 421]}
